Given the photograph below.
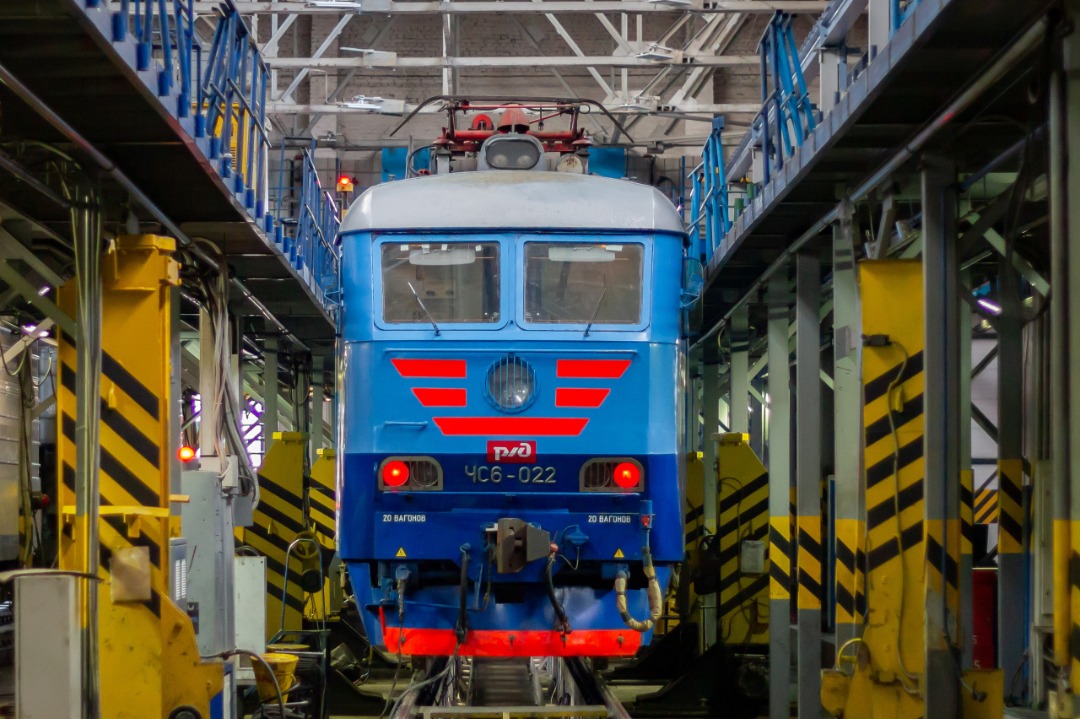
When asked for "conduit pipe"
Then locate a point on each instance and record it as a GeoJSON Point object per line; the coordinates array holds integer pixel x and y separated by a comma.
{"type": "Point", "coordinates": [1061, 549]}
{"type": "Point", "coordinates": [1004, 62]}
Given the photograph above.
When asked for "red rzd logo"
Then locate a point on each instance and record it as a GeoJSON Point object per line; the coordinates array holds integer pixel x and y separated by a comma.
{"type": "Point", "coordinates": [512, 452]}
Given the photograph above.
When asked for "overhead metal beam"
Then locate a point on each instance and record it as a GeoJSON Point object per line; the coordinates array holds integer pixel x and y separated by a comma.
{"type": "Point", "coordinates": [575, 49]}
{"type": "Point", "coordinates": [30, 293]}
{"type": "Point", "coordinates": [319, 52]}
{"type": "Point", "coordinates": [396, 107]}
{"type": "Point", "coordinates": [387, 7]}
{"type": "Point", "coordinates": [12, 248]}
{"type": "Point", "coordinates": [390, 60]}
{"type": "Point", "coordinates": [15, 351]}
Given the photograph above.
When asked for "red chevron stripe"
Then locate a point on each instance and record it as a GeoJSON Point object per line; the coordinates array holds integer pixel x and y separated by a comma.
{"type": "Point", "coordinates": [591, 368]}
{"type": "Point", "coordinates": [439, 397]}
{"type": "Point", "coordinates": [575, 397]}
{"type": "Point", "coordinates": [444, 368]}
{"type": "Point", "coordinates": [511, 426]}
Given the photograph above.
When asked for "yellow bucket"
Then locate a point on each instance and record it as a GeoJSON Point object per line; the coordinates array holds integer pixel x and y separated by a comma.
{"type": "Point", "coordinates": [284, 668]}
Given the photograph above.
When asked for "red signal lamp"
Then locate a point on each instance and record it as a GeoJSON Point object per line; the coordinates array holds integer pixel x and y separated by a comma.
{"type": "Point", "coordinates": [395, 474]}
{"type": "Point", "coordinates": [627, 475]}
{"type": "Point", "coordinates": [185, 453]}
{"type": "Point", "coordinates": [345, 184]}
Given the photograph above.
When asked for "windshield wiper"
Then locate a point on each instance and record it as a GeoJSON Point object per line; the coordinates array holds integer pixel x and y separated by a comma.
{"type": "Point", "coordinates": [596, 309]}
{"type": "Point", "coordinates": [425, 309]}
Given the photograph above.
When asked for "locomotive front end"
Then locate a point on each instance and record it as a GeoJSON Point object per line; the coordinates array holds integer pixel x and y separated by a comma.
{"type": "Point", "coordinates": [510, 420]}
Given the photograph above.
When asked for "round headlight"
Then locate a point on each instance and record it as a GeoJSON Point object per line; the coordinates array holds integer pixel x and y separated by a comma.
{"type": "Point", "coordinates": [511, 384]}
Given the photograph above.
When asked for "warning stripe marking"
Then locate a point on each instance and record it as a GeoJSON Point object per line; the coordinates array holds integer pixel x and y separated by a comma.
{"type": "Point", "coordinates": [967, 479]}
{"type": "Point", "coordinates": [876, 388]}
{"type": "Point", "coordinates": [759, 584]}
{"type": "Point", "coordinates": [127, 382]}
{"type": "Point", "coordinates": [880, 429]}
{"type": "Point", "coordinates": [882, 470]}
{"type": "Point", "coordinates": [140, 492]}
{"type": "Point", "coordinates": [986, 506]}
{"type": "Point", "coordinates": [943, 562]}
{"type": "Point", "coordinates": [129, 433]}
{"type": "Point", "coordinates": [1010, 505]}
{"type": "Point", "coordinates": [273, 549]}
{"type": "Point", "coordinates": [779, 557]}
{"type": "Point", "coordinates": [809, 562]}
{"type": "Point", "coordinates": [909, 496]}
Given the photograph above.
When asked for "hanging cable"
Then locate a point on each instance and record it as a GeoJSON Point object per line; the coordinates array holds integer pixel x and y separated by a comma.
{"type": "Point", "coordinates": [562, 622]}
{"type": "Point", "coordinates": [461, 628]}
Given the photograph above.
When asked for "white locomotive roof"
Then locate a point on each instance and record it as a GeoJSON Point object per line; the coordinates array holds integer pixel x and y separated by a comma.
{"type": "Point", "coordinates": [512, 199]}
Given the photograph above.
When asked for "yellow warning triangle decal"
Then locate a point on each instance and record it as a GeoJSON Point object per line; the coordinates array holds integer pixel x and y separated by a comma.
{"type": "Point", "coordinates": [619, 554]}
{"type": "Point", "coordinates": [400, 552]}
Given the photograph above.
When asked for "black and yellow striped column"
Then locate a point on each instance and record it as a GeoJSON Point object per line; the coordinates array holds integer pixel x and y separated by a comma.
{"type": "Point", "coordinates": [743, 528]}
{"type": "Point", "coordinates": [149, 662]}
{"type": "Point", "coordinates": [893, 460]}
{"type": "Point", "coordinates": [278, 520]}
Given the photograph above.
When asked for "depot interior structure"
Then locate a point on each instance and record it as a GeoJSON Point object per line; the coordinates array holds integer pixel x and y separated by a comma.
{"type": "Point", "coordinates": [881, 492]}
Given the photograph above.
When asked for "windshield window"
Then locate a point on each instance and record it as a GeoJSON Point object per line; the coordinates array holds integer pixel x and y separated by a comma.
{"type": "Point", "coordinates": [582, 284]}
{"type": "Point", "coordinates": [451, 281]}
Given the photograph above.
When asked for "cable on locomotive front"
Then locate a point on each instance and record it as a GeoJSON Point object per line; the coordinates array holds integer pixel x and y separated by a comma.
{"type": "Point", "coordinates": [656, 597]}
{"type": "Point", "coordinates": [562, 621]}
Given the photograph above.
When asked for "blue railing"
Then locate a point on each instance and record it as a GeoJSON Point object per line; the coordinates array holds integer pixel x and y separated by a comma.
{"type": "Point", "coordinates": [312, 248]}
{"type": "Point", "coordinates": [900, 11]}
{"type": "Point", "coordinates": [784, 93]}
{"type": "Point", "coordinates": [710, 218]}
{"type": "Point", "coordinates": [219, 93]}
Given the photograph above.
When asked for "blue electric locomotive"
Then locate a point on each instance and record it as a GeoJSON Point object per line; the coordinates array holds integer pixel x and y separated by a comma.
{"type": "Point", "coordinates": [511, 415]}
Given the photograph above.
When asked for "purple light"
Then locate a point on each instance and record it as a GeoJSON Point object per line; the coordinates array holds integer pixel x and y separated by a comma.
{"type": "Point", "coordinates": [989, 306]}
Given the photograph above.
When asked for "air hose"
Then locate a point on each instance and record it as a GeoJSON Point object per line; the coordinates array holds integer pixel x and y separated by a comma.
{"type": "Point", "coordinates": [562, 622]}
{"type": "Point", "coordinates": [656, 597]}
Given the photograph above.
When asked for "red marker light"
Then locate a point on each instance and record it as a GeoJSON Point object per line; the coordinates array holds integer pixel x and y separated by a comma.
{"type": "Point", "coordinates": [186, 453]}
{"type": "Point", "coordinates": [395, 474]}
{"type": "Point", "coordinates": [627, 475]}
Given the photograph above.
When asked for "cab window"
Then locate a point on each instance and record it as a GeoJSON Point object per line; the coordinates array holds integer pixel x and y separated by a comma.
{"type": "Point", "coordinates": [589, 283]}
{"type": "Point", "coordinates": [450, 281]}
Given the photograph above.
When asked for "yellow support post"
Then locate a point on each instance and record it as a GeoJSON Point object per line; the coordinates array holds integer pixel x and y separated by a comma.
{"type": "Point", "coordinates": [886, 681]}
{"type": "Point", "coordinates": [149, 661]}
{"type": "Point", "coordinates": [278, 520]}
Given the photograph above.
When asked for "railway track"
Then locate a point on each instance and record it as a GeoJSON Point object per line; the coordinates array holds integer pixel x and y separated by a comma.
{"type": "Point", "coordinates": [532, 688]}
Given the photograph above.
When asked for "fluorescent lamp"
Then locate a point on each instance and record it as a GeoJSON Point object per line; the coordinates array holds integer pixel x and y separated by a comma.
{"type": "Point", "coordinates": [989, 306]}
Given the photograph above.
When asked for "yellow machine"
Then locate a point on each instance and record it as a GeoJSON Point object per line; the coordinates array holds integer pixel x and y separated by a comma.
{"type": "Point", "coordinates": [742, 487]}
{"type": "Point", "coordinates": [149, 662]}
